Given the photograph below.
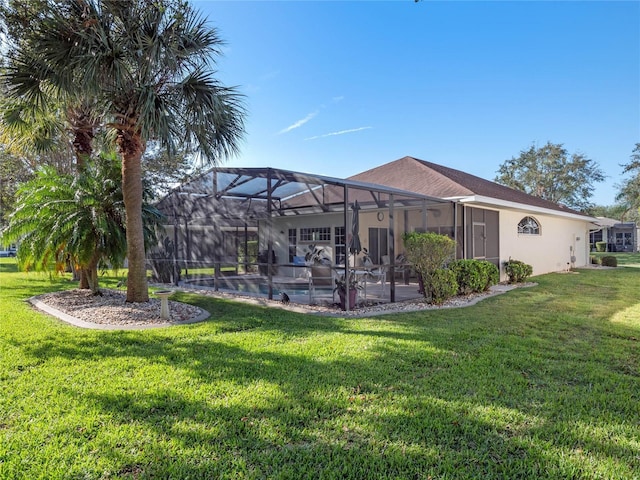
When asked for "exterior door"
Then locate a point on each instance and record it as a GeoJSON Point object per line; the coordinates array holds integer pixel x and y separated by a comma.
{"type": "Point", "coordinates": [378, 244]}
{"type": "Point", "coordinates": [479, 239]}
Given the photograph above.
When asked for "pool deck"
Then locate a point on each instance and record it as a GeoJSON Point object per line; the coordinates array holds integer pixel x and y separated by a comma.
{"type": "Point", "coordinates": [297, 289]}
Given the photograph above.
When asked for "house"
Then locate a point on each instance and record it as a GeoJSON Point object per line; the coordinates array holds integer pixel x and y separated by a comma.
{"type": "Point", "coordinates": [499, 222]}
{"type": "Point", "coordinates": [614, 236]}
{"type": "Point", "coordinates": [293, 211]}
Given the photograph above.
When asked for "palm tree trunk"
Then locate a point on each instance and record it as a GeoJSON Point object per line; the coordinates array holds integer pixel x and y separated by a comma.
{"type": "Point", "coordinates": [131, 148]}
{"type": "Point", "coordinates": [83, 128]}
{"type": "Point", "coordinates": [83, 281]}
{"type": "Point", "coordinates": [90, 272]}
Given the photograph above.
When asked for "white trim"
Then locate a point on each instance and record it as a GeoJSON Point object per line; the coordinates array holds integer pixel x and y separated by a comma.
{"type": "Point", "coordinates": [497, 203]}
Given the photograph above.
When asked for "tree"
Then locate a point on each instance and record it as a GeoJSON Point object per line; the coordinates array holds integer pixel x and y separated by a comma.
{"type": "Point", "coordinates": [62, 216]}
{"type": "Point", "coordinates": [148, 65]}
{"type": "Point", "coordinates": [36, 121]}
{"type": "Point", "coordinates": [165, 171]}
{"type": "Point", "coordinates": [618, 211]}
{"type": "Point", "coordinates": [551, 173]}
{"type": "Point", "coordinates": [629, 194]}
{"type": "Point", "coordinates": [12, 172]}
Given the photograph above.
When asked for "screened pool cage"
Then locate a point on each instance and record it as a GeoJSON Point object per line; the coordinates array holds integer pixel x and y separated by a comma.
{"type": "Point", "coordinates": [235, 227]}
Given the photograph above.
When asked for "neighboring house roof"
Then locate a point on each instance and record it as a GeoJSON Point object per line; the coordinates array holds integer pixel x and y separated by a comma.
{"type": "Point", "coordinates": [614, 224]}
{"type": "Point", "coordinates": [606, 222]}
{"type": "Point", "coordinates": [434, 180]}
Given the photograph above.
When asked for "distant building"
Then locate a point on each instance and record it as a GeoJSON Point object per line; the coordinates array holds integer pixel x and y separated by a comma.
{"type": "Point", "coordinates": [618, 236]}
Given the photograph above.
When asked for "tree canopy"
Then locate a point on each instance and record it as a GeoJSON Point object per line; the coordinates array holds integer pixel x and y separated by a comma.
{"type": "Point", "coordinates": [146, 67]}
{"type": "Point", "coordinates": [550, 172]}
{"type": "Point", "coordinates": [629, 190]}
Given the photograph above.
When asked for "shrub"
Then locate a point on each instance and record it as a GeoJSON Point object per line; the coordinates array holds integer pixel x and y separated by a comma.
{"type": "Point", "coordinates": [492, 272]}
{"type": "Point", "coordinates": [601, 246]}
{"type": "Point", "coordinates": [441, 285]}
{"type": "Point", "coordinates": [428, 252]}
{"type": "Point", "coordinates": [517, 271]}
{"type": "Point", "coordinates": [471, 276]}
{"type": "Point", "coordinates": [594, 260]}
{"type": "Point", "coordinates": [609, 261]}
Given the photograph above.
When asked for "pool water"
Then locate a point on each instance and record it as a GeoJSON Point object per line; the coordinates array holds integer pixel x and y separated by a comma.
{"type": "Point", "coordinates": [253, 285]}
{"type": "Point", "coordinates": [264, 289]}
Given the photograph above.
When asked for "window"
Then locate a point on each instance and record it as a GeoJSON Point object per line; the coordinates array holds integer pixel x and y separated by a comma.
{"type": "Point", "coordinates": [293, 244]}
{"type": "Point", "coordinates": [315, 234]}
{"type": "Point", "coordinates": [624, 239]}
{"type": "Point", "coordinates": [340, 244]}
{"type": "Point", "coordinates": [529, 226]}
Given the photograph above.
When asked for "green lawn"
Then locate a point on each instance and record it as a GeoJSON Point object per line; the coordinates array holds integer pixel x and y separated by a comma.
{"type": "Point", "coordinates": [541, 382]}
{"type": "Point", "coordinates": [624, 259]}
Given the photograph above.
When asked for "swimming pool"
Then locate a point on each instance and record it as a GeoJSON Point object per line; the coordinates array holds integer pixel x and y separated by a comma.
{"type": "Point", "coordinates": [253, 285]}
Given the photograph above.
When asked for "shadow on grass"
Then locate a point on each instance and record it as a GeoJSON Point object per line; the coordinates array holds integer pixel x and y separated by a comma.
{"type": "Point", "coordinates": [545, 389]}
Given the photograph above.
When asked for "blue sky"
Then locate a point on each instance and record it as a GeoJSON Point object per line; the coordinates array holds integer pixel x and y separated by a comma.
{"type": "Point", "coordinates": [336, 88]}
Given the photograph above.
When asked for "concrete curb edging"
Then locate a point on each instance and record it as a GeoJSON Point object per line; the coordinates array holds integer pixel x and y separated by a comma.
{"type": "Point", "coordinates": [70, 319]}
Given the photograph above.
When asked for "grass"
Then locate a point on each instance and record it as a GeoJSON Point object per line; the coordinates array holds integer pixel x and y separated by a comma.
{"type": "Point", "coordinates": [627, 259]}
{"type": "Point", "coordinates": [540, 382]}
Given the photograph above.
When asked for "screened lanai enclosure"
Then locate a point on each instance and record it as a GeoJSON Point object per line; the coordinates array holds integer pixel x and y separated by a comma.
{"type": "Point", "coordinates": [268, 231]}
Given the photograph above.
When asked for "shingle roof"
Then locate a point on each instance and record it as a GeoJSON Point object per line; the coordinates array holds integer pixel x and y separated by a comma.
{"type": "Point", "coordinates": [428, 178]}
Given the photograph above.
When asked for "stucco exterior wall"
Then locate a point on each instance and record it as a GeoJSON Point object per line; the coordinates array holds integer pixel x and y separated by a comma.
{"type": "Point", "coordinates": [551, 251]}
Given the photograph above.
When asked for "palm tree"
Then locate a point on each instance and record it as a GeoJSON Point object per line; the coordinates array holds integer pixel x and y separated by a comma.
{"type": "Point", "coordinates": [35, 122]}
{"type": "Point", "coordinates": [61, 215]}
{"type": "Point", "coordinates": [149, 64]}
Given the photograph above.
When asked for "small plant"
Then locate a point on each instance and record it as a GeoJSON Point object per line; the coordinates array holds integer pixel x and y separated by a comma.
{"type": "Point", "coordinates": [601, 246]}
{"type": "Point", "coordinates": [609, 261]}
{"type": "Point", "coordinates": [594, 260]}
{"type": "Point", "coordinates": [344, 282]}
{"type": "Point", "coordinates": [517, 271]}
{"type": "Point", "coordinates": [442, 284]}
{"type": "Point", "coordinates": [347, 285]}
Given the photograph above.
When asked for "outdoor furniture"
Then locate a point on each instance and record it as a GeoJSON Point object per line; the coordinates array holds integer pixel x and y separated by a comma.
{"type": "Point", "coordinates": [300, 269]}
{"type": "Point", "coordinates": [376, 274]}
{"type": "Point", "coordinates": [321, 277]}
{"type": "Point", "coordinates": [401, 267]}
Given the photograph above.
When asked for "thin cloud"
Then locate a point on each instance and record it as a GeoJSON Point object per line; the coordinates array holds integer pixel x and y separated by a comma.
{"type": "Point", "coordinates": [270, 75]}
{"type": "Point", "coordinates": [341, 132]}
{"type": "Point", "coordinates": [299, 123]}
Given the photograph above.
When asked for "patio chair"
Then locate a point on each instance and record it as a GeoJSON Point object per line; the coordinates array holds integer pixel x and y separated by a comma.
{"type": "Point", "coordinates": [402, 267]}
{"type": "Point", "coordinates": [300, 268]}
{"type": "Point", "coordinates": [376, 274]}
{"type": "Point", "coordinates": [321, 277]}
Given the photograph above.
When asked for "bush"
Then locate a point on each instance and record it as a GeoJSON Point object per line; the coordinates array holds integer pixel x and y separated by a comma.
{"type": "Point", "coordinates": [609, 261]}
{"type": "Point", "coordinates": [441, 285]}
{"type": "Point", "coordinates": [471, 276]}
{"type": "Point", "coordinates": [594, 260]}
{"type": "Point", "coordinates": [492, 272]}
{"type": "Point", "coordinates": [428, 253]}
{"type": "Point", "coordinates": [601, 246]}
{"type": "Point", "coordinates": [517, 271]}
